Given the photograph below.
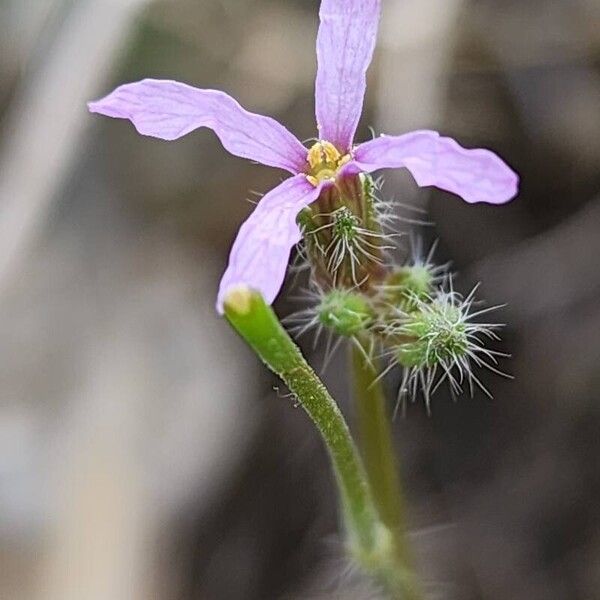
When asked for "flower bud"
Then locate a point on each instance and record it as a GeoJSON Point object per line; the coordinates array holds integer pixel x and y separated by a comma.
{"type": "Point", "coordinates": [408, 285]}
{"type": "Point", "coordinates": [344, 311]}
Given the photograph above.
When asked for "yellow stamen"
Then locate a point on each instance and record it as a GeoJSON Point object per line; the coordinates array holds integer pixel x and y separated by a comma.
{"type": "Point", "coordinates": [324, 160]}
{"type": "Point", "coordinates": [322, 153]}
{"type": "Point", "coordinates": [330, 152]}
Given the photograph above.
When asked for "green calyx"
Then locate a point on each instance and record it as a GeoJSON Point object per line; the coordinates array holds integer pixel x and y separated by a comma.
{"type": "Point", "coordinates": [346, 313]}
{"type": "Point", "coordinates": [436, 333]}
{"type": "Point", "coordinates": [369, 198]}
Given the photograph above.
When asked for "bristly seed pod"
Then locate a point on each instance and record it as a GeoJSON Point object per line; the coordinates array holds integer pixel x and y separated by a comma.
{"type": "Point", "coordinates": [436, 333]}
{"type": "Point", "coordinates": [439, 342]}
{"type": "Point", "coordinates": [405, 285]}
{"type": "Point", "coordinates": [347, 313]}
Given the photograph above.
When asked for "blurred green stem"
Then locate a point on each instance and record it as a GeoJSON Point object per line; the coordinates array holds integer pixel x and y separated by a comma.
{"type": "Point", "coordinates": [377, 449]}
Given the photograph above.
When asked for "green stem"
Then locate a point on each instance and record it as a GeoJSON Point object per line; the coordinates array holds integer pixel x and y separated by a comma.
{"type": "Point", "coordinates": [376, 441]}
{"type": "Point", "coordinates": [379, 459]}
{"type": "Point", "coordinates": [258, 325]}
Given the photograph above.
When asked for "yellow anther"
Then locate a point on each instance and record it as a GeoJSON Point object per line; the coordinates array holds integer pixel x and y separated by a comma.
{"type": "Point", "coordinates": [322, 154]}
{"type": "Point", "coordinates": [324, 160]}
{"type": "Point", "coordinates": [331, 153]}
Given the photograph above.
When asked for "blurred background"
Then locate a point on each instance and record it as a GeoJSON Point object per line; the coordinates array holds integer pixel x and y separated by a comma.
{"type": "Point", "coordinates": [144, 452]}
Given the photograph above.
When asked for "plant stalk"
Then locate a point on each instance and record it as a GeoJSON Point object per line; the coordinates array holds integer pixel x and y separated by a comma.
{"type": "Point", "coordinates": [371, 542]}
{"type": "Point", "coordinates": [377, 450]}
{"type": "Point", "coordinates": [256, 322]}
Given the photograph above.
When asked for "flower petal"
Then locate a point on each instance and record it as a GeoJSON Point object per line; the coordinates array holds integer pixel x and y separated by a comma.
{"type": "Point", "coordinates": [169, 110]}
{"type": "Point", "coordinates": [477, 175]}
{"type": "Point", "coordinates": [261, 251]}
{"type": "Point", "coordinates": [345, 45]}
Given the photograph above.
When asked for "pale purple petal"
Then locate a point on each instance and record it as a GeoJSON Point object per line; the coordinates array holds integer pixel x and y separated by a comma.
{"type": "Point", "coordinates": [261, 251]}
{"type": "Point", "coordinates": [169, 110]}
{"type": "Point", "coordinates": [476, 175]}
{"type": "Point", "coordinates": [345, 45]}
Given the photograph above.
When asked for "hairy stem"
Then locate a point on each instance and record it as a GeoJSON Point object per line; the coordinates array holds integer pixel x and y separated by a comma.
{"type": "Point", "coordinates": [379, 459]}
{"type": "Point", "coordinates": [255, 321]}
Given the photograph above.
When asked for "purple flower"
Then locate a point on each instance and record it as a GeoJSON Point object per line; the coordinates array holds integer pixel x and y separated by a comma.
{"type": "Point", "coordinates": [345, 43]}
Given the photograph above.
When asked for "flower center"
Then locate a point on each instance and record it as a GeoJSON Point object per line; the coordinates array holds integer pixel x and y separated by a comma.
{"type": "Point", "coordinates": [325, 161]}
